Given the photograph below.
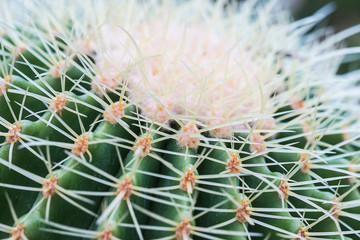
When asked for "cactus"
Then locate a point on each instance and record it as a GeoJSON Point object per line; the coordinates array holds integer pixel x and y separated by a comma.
{"type": "Point", "coordinates": [175, 120]}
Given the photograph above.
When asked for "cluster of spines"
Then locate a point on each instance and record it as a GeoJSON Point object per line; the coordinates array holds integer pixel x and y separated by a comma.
{"type": "Point", "coordinates": [125, 176]}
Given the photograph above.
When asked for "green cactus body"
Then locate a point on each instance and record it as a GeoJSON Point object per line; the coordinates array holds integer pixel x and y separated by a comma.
{"type": "Point", "coordinates": [134, 166]}
{"type": "Point", "coordinates": [175, 120]}
{"type": "Point", "coordinates": [208, 200]}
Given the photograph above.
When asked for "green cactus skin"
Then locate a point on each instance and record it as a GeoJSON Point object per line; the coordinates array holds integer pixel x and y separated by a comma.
{"type": "Point", "coordinates": [182, 162]}
{"type": "Point", "coordinates": [121, 214]}
{"type": "Point", "coordinates": [208, 200]}
{"type": "Point", "coordinates": [152, 129]}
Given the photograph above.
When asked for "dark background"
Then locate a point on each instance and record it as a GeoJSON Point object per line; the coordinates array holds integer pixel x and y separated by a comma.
{"type": "Point", "coordinates": [347, 14]}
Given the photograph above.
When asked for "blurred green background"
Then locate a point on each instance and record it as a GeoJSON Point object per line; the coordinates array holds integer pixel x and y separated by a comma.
{"type": "Point", "coordinates": [347, 11]}
{"type": "Point", "coordinates": [347, 14]}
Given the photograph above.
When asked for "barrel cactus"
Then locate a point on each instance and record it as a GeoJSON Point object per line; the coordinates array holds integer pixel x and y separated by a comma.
{"type": "Point", "coordinates": [175, 120]}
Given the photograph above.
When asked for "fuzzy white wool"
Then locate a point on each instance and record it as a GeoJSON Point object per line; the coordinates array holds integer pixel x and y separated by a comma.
{"type": "Point", "coordinates": [187, 69]}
